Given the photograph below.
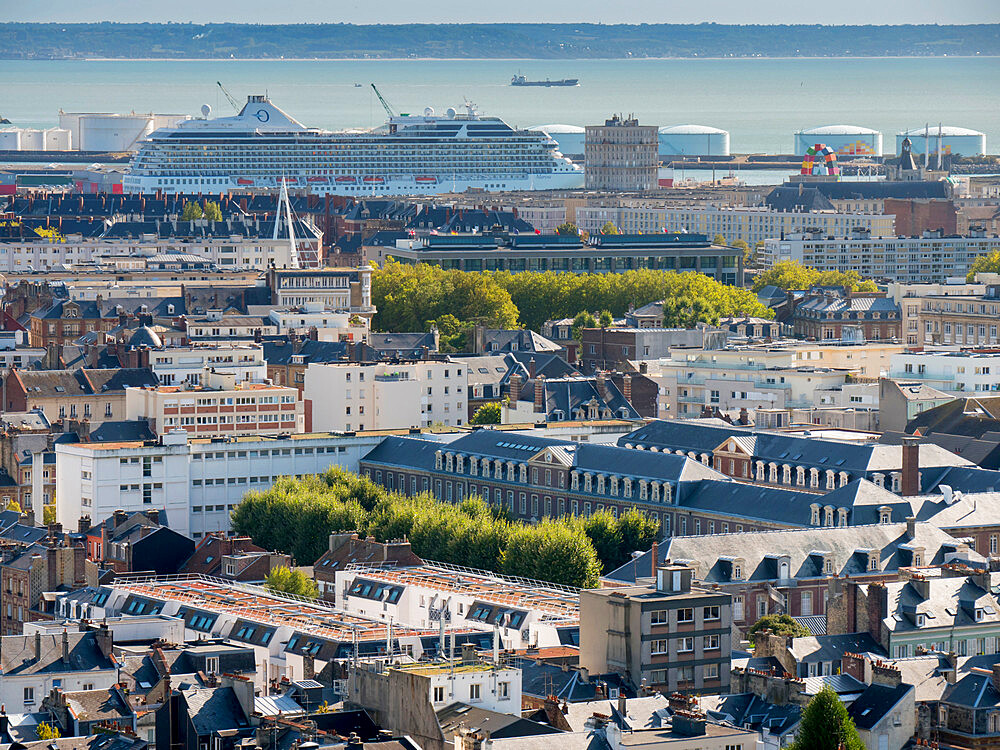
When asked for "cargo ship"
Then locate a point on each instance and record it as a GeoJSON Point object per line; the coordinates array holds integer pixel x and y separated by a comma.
{"type": "Point", "coordinates": [520, 80]}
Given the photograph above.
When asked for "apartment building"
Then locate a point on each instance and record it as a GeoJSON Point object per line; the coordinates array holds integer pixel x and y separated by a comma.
{"type": "Point", "coordinates": [915, 298]}
{"type": "Point", "coordinates": [352, 396]}
{"type": "Point", "coordinates": [930, 258]}
{"type": "Point", "coordinates": [190, 364]}
{"type": "Point", "coordinates": [752, 224]}
{"type": "Point", "coordinates": [195, 482]}
{"type": "Point", "coordinates": [670, 636]}
{"type": "Point", "coordinates": [330, 325]}
{"type": "Point", "coordinates": [97, 395]}
{"type": "Point", "coordinates": [139, 245]}
{"type": "Point", "coordinates": [219, 326]}
{"type": "Point", "coordinates": [621, 154]}
{"type": "Point", "coordinates": [220, 406]}
{"type": "Point", "coordinates": [839, 314]}
{"type": "Point", "coordinates": [347, 289]}
{"type": "Point", "coordinates": [968, 320]}
{"type": "Point", "coordinates": [957, 373]}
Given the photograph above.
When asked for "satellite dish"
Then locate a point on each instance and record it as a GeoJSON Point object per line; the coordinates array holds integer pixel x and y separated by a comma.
{"type": "Point", "coordinates": [428, 111]}
{"type": "Point", "coordinates": [451, 113]}
{"type": "Point", "coordinates": [206, 110]}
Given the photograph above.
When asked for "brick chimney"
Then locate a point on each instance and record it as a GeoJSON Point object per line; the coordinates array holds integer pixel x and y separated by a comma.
{"type": "Point", "coordinates": [627, 387]}
{"type": "Point", "coordinates": [120, 517]}
{"type": "Point", "coordinates": [514, 386]}
{"type": "Point", "coordinates": [540, 394]}
{"type": "Point", "coordinates": [83, 524]}
{"type": "Point", "coordinates": [602, 386]}
{"type": "Point", "coordinates": [910, 484]}
{"type": "Point", "coordinates": [531, 368]}
{"type": "Point", "coordinates": [154, 516]}
{"type": "Point", "coordinates": [654, 557]}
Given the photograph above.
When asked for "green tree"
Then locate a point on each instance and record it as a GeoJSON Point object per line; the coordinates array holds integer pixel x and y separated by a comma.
{"type": "Point", "coordinates": [292, 582]}
{"type": "Point", "coordinates": [989, 263]}
{"type": "Point", "coordinates": [779, 625]}
{"type": "Point", "coordinates": [452, 333]}
{"type": "Point", "coordinates": [568, 229]}
{"type": "Point", "coordinates": [48, 514]}
{"type": "Point", "coordinates": [825, 725]}
{"type": "Point", "coordinates": [790, 274]}
{"type": "Point", "coordinates": [745, 247]}
{"type": "Point", "coordinates": [191, 211]}
{"type": "Point", "coordinates": [720, 240]}
{"type": "Point", "coordinates": [46, 731]}
{"type": "Point", "coordinates": [605, 319]}
{"type": "Point", "coordinates": [212, 211]}
{"type": "Point", "coordinates": [487, 414]}
{"type": "Point", "coordinates": [609, 228]}
{"type": "Point", "coordinates": [582, 320]}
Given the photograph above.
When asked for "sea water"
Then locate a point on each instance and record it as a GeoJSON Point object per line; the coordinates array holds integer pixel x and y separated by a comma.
{"type": "Point", "coordinates": [761, 102]}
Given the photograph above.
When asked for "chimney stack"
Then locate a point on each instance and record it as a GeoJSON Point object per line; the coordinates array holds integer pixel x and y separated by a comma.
{"type": "Point", "coordinates": [65, 647]}
{"type": "Point", "coordinates": [654, 563]}
{"type": "Point", "coordinates": [911, 527]}
{"type": "Point", "coordinates": [911, 467]}
{"type": "Point", "coordinates": [627, 387]}
{"type": "Point", "coordinates": [120, 516]}
{"type": "Point", "coordinates": [38, 645]}
{"type": "Point", "coordinates": [540, 394]}
{"type": "Point", "coordinates": [531, 368]}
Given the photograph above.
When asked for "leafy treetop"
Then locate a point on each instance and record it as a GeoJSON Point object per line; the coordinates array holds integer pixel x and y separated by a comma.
{"type": "Point", "coordinates": [779, 625]}
{"type": "Point", "coordinates": [825, 725]}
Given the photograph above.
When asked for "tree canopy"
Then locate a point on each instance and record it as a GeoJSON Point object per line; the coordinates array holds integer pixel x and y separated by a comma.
{"type": "Point", "coordinates": [568, 229]}
{"type": "Point", "coordinates": [779, 625]}
{"type": "Point", "coordinates": [298, 515]}
{"type": "Point", "coordinates": [825, 725]}
{"type": "Point", "coordinates": [609, 228]}
{"type": "Point", "coordinates": [192, 210]}
{"type": "Point", "coordinates": [989, 263]}
{"type": "Point", "coordinates": [212, 211]}
{"type": "Point", "coordinates": [487, 414]}
{"type": "Point", "coordinates": [291, 582]}
{"type": "Point", "coordinates": [413, 297]}
{"type": "Point", "coordinates": [790, 274]}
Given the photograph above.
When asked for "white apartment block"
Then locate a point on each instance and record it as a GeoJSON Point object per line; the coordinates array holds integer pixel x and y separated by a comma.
{"type": "Point", "coordinates": [229, 252]}
{"type": "Point", "coordinates": [221, 406]}
{"type": "Point", "coordinates": [189, 364]}
{"type": "Point", "coordinates": [959, 373]}
{"type": "Point", "coordinates": [748, 223]}
{"type": "Point", "coordinates": [352, 396]}
{"type": "Point", "coordinates": [329, 325]}
{"type": "Point", "coordinates": [927, 259]}
{"type": "Point", "coordinates": [197, 481]}
{"type": "Point", "coordinates": [778, 376]}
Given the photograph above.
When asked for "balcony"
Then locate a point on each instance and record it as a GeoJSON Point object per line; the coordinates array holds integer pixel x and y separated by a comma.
{"type": "Point", "coordinates": [897, 374]}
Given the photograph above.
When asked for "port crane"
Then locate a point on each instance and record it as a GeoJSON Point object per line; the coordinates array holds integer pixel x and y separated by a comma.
{"type": "Point", "coordinates": [232, 101]}
{"type": "Point", "coordinates": [382, 101]}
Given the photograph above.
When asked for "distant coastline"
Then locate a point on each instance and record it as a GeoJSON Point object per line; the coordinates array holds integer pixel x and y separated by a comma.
{"type": "Point", "coordinates": [493, 59]}
{"type": "Point", "coordinates": [202, 42]}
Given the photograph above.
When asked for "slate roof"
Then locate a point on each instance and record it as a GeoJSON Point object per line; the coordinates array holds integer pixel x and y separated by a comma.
{"type": "Point", "coordinates": [56, 383]}
{"type": "Point", "coordinates": [420, 453]}
{"type": "Point", "coordinates": [541, 679]}
{"type": "Point", "coordinates": [974, 690]}
{"type": "Point", "coordinates": [281, 351]}
{"type": "Point", "coordinates": [968, 479]}
{"type": "Point", "coordinates": [749, 711]}
{"type": "Point", "coordinates": [712, 554]}
{"type": "Point", "coordinates": [214, 709]}
{"type": "Point", "coordinates": [20, 532]}
{"type": "Point", "coordinates": [499, 725]}
{"type": "Point", "coordinates": [799, 450]}
{"type": "Point", "coordinates": [98, 705]}
{"type": "Point", "coordinates": [825, 648]}
{"type": "Point", "coordinates": [649, 712]}
{"type": "Point", "coordinates": [951, 603]}
{"type": "Point", "coordinates": [869, 708]}
{"type": "Point", "coordinates": [17, 655]}
{"type": "Point", "coordinates": [565, 395]}
{"type": "Point", "coordinates": [403, 344]}
{"type": "Point", "coordinates": [125, 431]}
{"type": "Point", "coordinates": [99, 741]}
{"type": "Point", "coordinates": [789, 198]}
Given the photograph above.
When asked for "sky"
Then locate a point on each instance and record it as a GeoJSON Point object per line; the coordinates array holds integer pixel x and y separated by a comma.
{"type": "Point", "coordinates": [479, 11]}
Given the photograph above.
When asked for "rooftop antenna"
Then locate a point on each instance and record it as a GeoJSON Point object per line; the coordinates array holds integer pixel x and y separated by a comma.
{"type": "Point", "coordinates": [496, 645]}
{"type": "Point", "coordinates": [939, 147]}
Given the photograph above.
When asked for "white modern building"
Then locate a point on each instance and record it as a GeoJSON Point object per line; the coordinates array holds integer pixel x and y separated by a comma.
{"type": "Point", "coordinates": [353, 396]}
{"type": "Point", "coordinates": [930, 258]}
{"type": "Point", "coordinates": [197, 481]}
{"type": "Point", "coordinates": [190, 364]}
{"type": "Point", "coordinates": [330, 325]}
{"type": "Point", "coordinates": [960, 373]}
{"type": "Point", "coordinates": [751, 224]}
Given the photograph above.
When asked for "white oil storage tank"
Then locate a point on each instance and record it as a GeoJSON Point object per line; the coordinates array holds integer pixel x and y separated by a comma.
{"type": "Point", "coordinates": [32, 139]}
{"type": "Point", "coordinates": [58, 139]}
{"type": "Point", "coordinates": [693, 140]}
{"type": "Point", "coordinates": [954, 140]}
{"type": "Point", "coordinates": [845, 140]}
{"type": "Point", "coordinates": [569, 137]}
{"type": "Point", "coordinates": [10, 139]}
{"type": "Point", "coordinates": [114, 133]}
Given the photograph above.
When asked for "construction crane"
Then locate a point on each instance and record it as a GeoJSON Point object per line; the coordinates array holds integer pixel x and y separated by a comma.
{"type": "Point", "coordinates": [385, 104]}
{"type": "Point", "coordinates": [236, 104]}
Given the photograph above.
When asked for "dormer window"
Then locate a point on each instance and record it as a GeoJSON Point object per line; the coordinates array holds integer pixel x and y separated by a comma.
{"type": "Point", "coordinates": [872, 561]}
{"type": "Point", "coordinates": [921, 620]}
{"type": "Point", "coordinates": [828, 566]}
{"type": "Point", "coordinates": [884, 515]}
{"type": "Point", "coordinates": [980, 614]}
{"type": "Point", "coordinates": [737, 572]}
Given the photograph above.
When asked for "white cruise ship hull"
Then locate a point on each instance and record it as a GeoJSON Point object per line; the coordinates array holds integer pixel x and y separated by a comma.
{"type": "Point", "coordinates": [353, 186]}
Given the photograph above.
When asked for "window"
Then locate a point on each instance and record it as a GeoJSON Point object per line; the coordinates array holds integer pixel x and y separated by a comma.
{"type": "Point", "coordinates": [212, 664]}
{"type": "Point", "coordinates": [658, 617]}
{"type": "Point", "coordinates": [438, 690]}
{"type": "Point", "coordinates": [711, 642]}
{"type": "Point", "coordinates": [685, 614]}
{"type": "Point", "coordinates": [685, 644]}
{"type": "Point", "coordinates": [712, 613]}
{"type": "Point", "coordinates": [475, 691]}
{"type": "Point", "coordinates": [658, 647]}
{"type": "Point", "coordinates": [503, 691]}
{"type": "Point", "coordinates": [29, 696]}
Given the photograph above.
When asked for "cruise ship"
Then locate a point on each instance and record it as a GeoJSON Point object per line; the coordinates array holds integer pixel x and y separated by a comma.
{"type": "Point", "coordinates": [262, 146]}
